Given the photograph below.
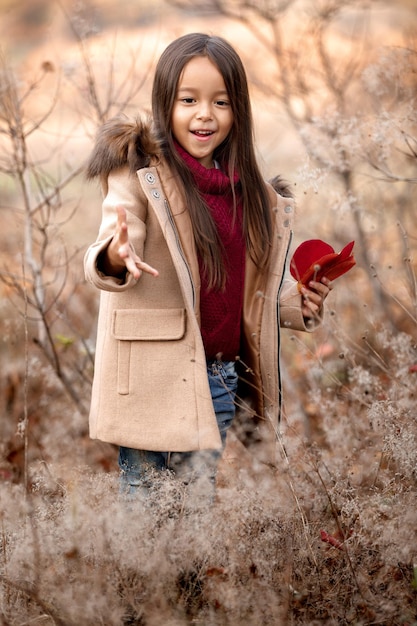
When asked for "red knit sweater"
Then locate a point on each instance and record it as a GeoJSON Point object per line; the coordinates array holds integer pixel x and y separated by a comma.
{"type": "Point", "coordinates": [221, 311]}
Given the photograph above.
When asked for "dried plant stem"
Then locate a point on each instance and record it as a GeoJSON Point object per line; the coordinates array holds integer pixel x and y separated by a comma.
{"type": "Point", "coordinates": [341, 531]}
{"type": "Point", "coordinates": [304, 521]}
{"type": "Point", "coordinates": [25, 424]}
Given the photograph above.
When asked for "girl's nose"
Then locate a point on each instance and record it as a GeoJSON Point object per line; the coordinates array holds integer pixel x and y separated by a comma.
{"type": "Point", "coordinates": [204, 112]}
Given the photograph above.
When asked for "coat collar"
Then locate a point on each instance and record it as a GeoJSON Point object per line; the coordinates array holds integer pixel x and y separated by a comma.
{"type": "Point", "coordinates": [122, 141]}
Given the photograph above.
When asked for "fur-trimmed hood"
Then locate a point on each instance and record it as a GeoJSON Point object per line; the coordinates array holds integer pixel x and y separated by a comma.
{"type": "Point", "coordinates": [122, 141]}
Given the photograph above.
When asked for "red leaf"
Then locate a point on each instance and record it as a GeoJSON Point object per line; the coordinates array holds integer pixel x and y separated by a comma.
{"type": "Point", "coordinates": [315, 259]}
{"type": "Point", "coordinates": [216, 571]}
{"type": "Point", "coordinates": [331, 540]}
{"type": "Point", "coordinates": [307, 254]}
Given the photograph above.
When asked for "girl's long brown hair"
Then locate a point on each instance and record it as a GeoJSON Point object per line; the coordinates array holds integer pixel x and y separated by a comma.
{"type": "Point", "coordinates": [236, 152]}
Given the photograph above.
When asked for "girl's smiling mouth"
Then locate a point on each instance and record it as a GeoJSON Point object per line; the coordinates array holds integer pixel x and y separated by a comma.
{"type": "Point", "coordinates": [203, 133]}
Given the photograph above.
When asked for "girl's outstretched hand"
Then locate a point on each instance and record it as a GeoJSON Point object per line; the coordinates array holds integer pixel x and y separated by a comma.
{"type": "Point", "coordinates": [314, 297]}
{"type": "Point", "coordinates": [120, 256]}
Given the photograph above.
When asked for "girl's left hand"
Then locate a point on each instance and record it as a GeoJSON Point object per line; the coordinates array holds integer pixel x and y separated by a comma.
{"type": "Point", "coordinates": [314, 297]}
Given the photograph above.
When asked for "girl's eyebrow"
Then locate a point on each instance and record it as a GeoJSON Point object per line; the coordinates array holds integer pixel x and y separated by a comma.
{"type": "Point", "coordinates": [222, 92]}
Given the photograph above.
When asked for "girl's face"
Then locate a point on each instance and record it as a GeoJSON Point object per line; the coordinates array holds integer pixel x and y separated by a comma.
{"type": "Point", "coordinates": [202, 116]}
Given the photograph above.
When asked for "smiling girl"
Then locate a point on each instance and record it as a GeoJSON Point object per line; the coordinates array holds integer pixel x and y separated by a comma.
{"type": "Point", "coordinates": [190, 260]}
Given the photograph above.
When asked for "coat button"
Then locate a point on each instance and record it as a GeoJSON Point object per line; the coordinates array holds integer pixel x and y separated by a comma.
{"type": "Point", "coordinates": [288, 209]}
{"type": "Point", "coordinates": [150, 178]}
{"type": "Point", "coordinates": [156, 194]}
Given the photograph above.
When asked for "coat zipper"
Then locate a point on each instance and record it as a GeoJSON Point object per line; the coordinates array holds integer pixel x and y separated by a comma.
{"type": "Point", "coordinates": [179, 246]}
{"type": "Point", "coordinates": [279, 331]}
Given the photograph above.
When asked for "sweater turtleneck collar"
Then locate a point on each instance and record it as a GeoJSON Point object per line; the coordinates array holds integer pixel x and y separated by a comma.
{"type": "Point", "coordinates": [213, 180]}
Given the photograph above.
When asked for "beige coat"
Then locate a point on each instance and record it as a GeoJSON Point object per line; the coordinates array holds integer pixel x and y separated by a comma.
{"type": "Point", "coordinates": [150, 388]}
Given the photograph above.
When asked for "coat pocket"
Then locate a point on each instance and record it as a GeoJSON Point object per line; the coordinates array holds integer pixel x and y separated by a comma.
{"type": "Point", "coordinates": [143, 325]}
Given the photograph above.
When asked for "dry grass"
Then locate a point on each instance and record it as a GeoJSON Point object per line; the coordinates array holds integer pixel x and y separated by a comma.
{"type": "Point", "coordinates": [74, 552]}
{"type": "Point", "coordinates": [317, 527]}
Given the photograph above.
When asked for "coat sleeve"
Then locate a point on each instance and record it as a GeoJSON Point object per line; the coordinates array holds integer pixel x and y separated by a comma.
{"type": "Point", "coordinates": [120, 188]}
{"type": "Point", "coordinates": [290, 309]}
{"type": "Point", "coordinates": [290, 302]}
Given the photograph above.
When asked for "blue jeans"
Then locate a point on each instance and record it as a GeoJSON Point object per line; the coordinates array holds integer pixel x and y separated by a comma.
{"type": "Point", "coordinates": [137, 465]}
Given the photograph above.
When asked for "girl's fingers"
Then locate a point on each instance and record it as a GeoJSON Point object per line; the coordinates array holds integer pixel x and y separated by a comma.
{"type": "Point", "coordinates": [133, 263]}
{"type": "Point", "coordinates": [323, 288]}
{"type": "Point", "coordinates": [314, 297]}
{"type": "Point", "coordinates": [121, 213]}
{"type": "Point", "coordinates": [122, 233]}
{"type": "Point", "coordinates": [144, 267]}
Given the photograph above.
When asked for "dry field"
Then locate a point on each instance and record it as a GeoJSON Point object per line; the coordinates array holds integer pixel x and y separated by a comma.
{"type": "Point", "coordinates": [316, 524]}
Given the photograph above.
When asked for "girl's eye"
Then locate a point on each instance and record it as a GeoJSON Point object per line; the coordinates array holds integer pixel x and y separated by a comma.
{"type": "Point", "coordinates": [222, 103]}
{"type": "Point", "coordinates": [187, 100]}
